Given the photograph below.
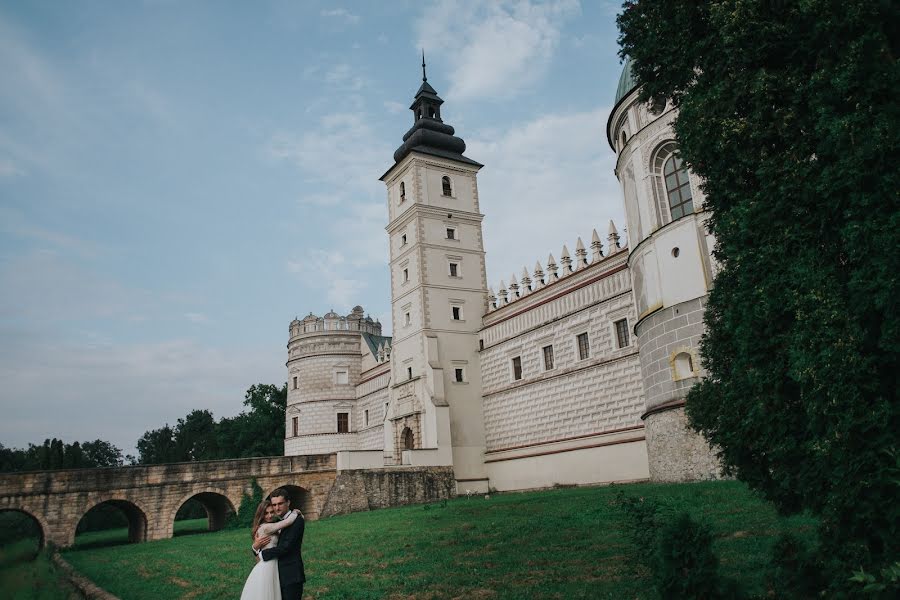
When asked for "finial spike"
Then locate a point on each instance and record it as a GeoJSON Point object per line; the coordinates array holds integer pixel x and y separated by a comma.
{"type": "Point", "coordinates": [424, 78]}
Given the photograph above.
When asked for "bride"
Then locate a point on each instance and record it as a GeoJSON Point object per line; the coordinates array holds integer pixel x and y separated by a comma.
{"type": "Point", "coordinates": [262, 583]}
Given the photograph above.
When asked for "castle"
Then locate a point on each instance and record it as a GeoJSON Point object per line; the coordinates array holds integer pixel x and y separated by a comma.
{"type": "Point", "coordinates": [574, 373]}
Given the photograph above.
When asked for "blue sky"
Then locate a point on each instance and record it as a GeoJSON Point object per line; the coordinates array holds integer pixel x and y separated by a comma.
{"type": "Point", "coordinates": [179, 179]}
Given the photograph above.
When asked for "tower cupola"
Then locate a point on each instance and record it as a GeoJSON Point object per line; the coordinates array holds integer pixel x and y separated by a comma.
{"type": "Point", "coordinates": [429, 134]}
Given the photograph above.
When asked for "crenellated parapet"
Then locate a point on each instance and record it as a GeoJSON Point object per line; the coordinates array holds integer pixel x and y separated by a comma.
{"type": "Point", "coordinates": [356, 321]}
{"type": "Point", "coordinates": [540, 277]}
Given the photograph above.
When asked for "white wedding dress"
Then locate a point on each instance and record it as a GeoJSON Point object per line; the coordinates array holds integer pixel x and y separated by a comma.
{"type": "Point", "coordinates": [263, 582]}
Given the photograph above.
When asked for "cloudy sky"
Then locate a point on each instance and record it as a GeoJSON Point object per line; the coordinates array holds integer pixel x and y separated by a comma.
{"type": "Point", "coordinates": [179, 179]}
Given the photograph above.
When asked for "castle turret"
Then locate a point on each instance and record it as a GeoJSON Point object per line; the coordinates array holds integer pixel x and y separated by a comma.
{"type": "Point", "coordinates": [671, 266]}
{"type": "Point", "coordinates": [439, 294]}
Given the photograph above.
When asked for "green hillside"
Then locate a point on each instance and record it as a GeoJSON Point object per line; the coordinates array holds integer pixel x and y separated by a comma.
{"type": "Point", "coordinates": [563, 543]}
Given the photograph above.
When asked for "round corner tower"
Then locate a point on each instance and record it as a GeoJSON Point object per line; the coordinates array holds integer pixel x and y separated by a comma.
{"type": "Point", "coordinates": [324, 364]}
{"type": "Point", "coordinates": [672, 269]}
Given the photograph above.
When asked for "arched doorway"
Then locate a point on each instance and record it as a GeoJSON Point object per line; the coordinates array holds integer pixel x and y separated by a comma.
{"type": "Point", "coordinates": [202, 512]}
{"type": "Point", "coordinates": [300, 498]}
{"type": "Point", "coordinates": [110, 523]}
{"type": "Point", "coordinates": [409, 439]}
{"type": "Point", "coordinates": [21, 536]}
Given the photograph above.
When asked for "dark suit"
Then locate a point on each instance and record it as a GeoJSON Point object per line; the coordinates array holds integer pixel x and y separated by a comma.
{"type": "Point", "coordinates": [290, 562]}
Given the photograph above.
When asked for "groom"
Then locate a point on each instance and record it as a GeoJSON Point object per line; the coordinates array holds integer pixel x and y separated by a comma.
{"type": "Point", "coordinates": [287, 551]}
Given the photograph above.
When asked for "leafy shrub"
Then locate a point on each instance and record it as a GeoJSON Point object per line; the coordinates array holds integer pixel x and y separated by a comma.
{"type": "Point", "coordinates": [795, 572]}
{"type": "Point", "coordinates": [249, 503]}
{"type": "Point", "coordinates": [644, 519]}
{"type": "Point", "coordinates": [687, 568]}
{"type": "Point", "coordinates": [886, 587]}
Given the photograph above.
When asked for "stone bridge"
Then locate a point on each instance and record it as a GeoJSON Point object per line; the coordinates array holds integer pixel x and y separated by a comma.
{"type": "Point", "coordinates": [149, 496]}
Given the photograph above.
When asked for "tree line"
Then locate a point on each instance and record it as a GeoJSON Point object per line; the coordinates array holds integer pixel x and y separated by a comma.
{"type": "Point", "coordinates": [256, 431]}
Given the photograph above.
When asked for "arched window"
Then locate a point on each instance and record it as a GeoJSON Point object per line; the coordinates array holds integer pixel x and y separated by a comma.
{"type": "Point", "coordinates": [446, 188]}
{"type": "Point", "coordinates": [409, 441]}
{"type": "Point", "coordinates": [402, 192]}
{"type": "Point", "coordinates": [683, 366]}
{"type": "Point", "coordinates": [622, 139]}
{"type": "Point", "coordinates": [678, 187]}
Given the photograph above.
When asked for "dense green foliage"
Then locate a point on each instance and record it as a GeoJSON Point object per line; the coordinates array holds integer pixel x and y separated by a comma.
{"type": "Point", "coordinates": [687, 569]}
{"type": "Point", "coordinates": [247, 510]}
{"type": "Point", "coordinates": [788, 111]}
{"type": "Point", "coordinates": [258, 431]}
{"type": "Point", "coordinates": [565, 543]}
{"type": "Point", "coordinates": [27, 574]}
{"type": "Point", "coordinates": [55, 454]}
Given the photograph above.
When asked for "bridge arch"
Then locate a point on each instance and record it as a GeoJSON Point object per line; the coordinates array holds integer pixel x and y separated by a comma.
{"type": "Point", "coordinates": [136, 516]}
{"type": "Point", "coordinates": [41, 526]}
{"type": "Point", "coordinates": [301, 498]}
{"type": "Point", "coordinates": [219, 506]}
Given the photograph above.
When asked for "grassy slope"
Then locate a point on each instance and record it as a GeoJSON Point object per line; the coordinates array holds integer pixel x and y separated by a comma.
{"type": "Point", "coordinates": [565, 543]}
{"type": "Point", "coordinates": [26, 574]}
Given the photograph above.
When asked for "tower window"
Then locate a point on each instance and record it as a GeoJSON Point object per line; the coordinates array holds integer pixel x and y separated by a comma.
{"type": "Point", "coordinates": [341, 377]}
{"type": "Point", "coordinates": [454, 270]}
{"type": "Point", "coordinates": [295, 426]}
{"type": "Point", "coordinates": [403, 240]}
{"type": "Point", "coordinates": [683, 365]}
{"type": "Point", "coordinates": [622, 332]}
{"type": "Point", "coordinates": [409, 372]}
{"type": "Point", "coordinates": [405, 275]}
{"type": "Point", "coordinates": [548, 357]}
{"type": "Point", "coordinates": [517, 368]}
{"type": "Point", "coordinates": [678, 187]}
{"type": "Point", "coordinates": [451, 233]}
{"type": "Point", "coordinates": [584, 346]}
{"type": "Point", "coordinates": [458, 375]}
{"type": "Point", "coordinates": [457, 313]}
{"type": "Point", "coordinates": [622, 139]}
{"type": "Point", "coordinates": [402, 192]}
{"type": "Point", "coordinates": [446, 188]}
{"type": "Point", "coordinates": [343, 422]}
{"type": "Point", "coordinates": [367, 418]}
{"type": "Point", "coordinates": [407, 319]}
{"type": "Point", "coordinates": [295, 382]}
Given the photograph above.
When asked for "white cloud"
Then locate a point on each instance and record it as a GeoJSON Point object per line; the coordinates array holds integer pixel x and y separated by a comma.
{"type": "Point", "coordinates": [548, 182]}
{"type": "Point", "coordinates": [9, 169]}
{"type": "Point", "coordinates": [395, 107]}
{"type": "Point", "coordinates": [341, 14]}
{"type": "Point", "coordinates": [345, 78]}
{"type": "Point", "coordinates": [341, 151]}
{"type": "Point", "coordinates": [496, 49]}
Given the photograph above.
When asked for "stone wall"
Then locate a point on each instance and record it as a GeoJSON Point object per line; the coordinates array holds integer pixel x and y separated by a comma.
{"type": "Point", "coordinates": [368, 489]}
{"type": "Point", "coordinates": [675, 451]}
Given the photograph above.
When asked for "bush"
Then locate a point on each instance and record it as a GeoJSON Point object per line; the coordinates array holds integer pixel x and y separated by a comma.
{"type": "Point", "coordinates": [795, 573]}
{"type": "Point", "coordinates": [644, 518]}
{"type": "Point", "coordinates": [249, 503]}
{"type": "Point", "coordinates": [687, 567]}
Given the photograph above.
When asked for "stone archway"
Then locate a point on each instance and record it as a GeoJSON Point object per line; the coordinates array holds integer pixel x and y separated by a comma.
{"type": "Point", "coordinates": [219, 508]}
{"type": "Point", "coordinates": [409, 439]}
{"type": "Point", "coordinates": [300, 498]}
{"type": "Point", "coordinates": [40, 527]}
{"type": "Point", "coordinates": [136, 517]}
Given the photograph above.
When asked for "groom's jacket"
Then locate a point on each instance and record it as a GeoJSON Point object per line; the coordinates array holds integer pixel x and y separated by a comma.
{"type": "Point", "coordinates": [287, 552]}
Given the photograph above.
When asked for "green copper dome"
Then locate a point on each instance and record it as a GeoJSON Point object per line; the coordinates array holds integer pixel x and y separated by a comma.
{"type": "Point", "coordinates": [626, 82]}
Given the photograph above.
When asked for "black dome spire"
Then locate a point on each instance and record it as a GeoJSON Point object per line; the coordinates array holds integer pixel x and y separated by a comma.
{"type": "Point", "coordinates": [429, 134]}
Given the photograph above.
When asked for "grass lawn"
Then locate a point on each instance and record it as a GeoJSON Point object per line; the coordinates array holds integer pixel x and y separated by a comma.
{"type": "Point", "coordinates": [564, 543]}
{"type": "Point", "coordinates": [26, 573]}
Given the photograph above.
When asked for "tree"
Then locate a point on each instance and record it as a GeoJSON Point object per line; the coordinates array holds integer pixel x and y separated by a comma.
{"type": "Point", "coordinates": [100, 453]}
{"type": "Point", "coordinates": [195, 436]}
{"type": "Point", "coordinates": [259, 431]}
{"type": "Point", "coordinates": [788, 111]}
{"type": "Point", "coordinates": [158, 446]}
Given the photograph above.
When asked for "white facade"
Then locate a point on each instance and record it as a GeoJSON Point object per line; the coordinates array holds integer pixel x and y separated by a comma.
{"type": "Point", "coordinates": [557, 378]}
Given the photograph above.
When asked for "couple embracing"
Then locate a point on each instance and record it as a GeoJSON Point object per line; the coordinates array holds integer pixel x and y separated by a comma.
{"type": "Point", "coordinates": [277, 535]}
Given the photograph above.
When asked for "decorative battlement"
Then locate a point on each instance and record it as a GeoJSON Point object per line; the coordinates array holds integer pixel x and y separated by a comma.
{"type": "Point", "coordinates": [335, 322]}
{"type": "Point", "coordinates": [541, 278]}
